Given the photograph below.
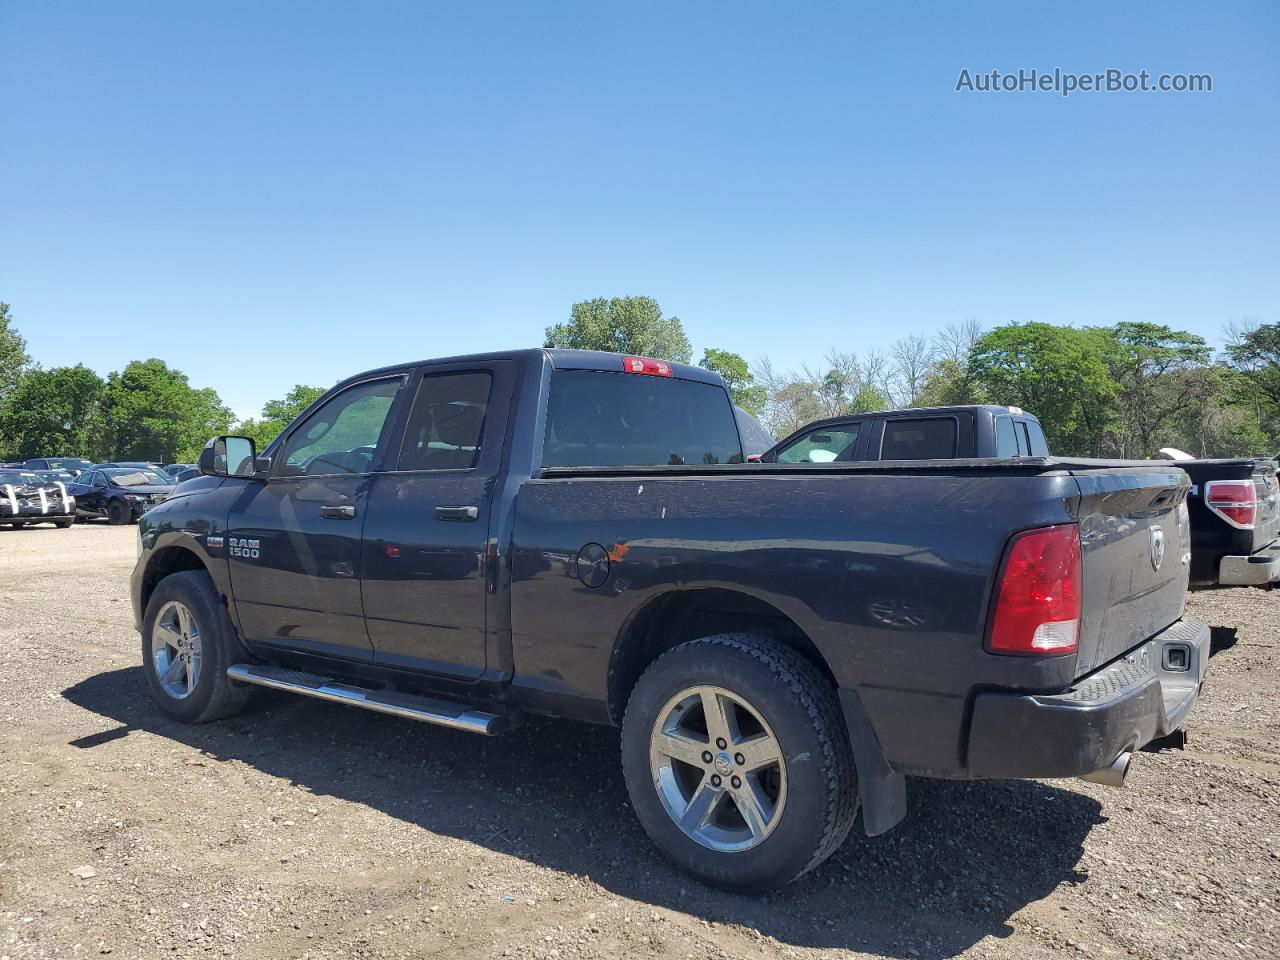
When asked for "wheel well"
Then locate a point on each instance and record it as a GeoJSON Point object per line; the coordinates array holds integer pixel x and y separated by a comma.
{"type": "Point", "coordinates": [167, 560]}
{"type": "Point", "coordinates": [681, 615]}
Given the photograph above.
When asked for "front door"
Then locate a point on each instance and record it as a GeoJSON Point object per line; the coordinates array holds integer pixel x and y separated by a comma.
{"type": "Point", "coordinates": [293, 542]}
{"type": "Point", "coordinates": [427, 527]}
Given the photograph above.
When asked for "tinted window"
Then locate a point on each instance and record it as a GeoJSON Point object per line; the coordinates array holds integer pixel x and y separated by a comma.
{"type": "Point", "coordinates": [824, 445]}
{"type": "Point", "coordinates": [1035, 436]}
{"type": "Point", "coordinates": [342, 435]}
{"type": "Point", "coordinates": [623, 419]}
{"type": "Point", "coordinates": [1006, 439]}
{"type": "Point", "coordinates": [919, 439]}
{"type": "Point", "coordinates": [446, 422]}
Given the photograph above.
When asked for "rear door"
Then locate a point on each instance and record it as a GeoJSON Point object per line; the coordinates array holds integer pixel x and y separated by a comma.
{"type": "Point", "coordinates": [426, 551]}
{"type": "Point", "coordinates": [293, 542]}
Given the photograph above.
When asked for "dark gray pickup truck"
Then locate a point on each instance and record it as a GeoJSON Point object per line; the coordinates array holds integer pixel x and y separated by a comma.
{"type": "Point", "coordinates": [1235, 522]}
{"type": "Point", "coordinates": [467, 541]}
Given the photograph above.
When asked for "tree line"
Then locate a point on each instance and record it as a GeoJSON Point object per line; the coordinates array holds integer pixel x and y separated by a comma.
{"type": "Point", "coordinates": [1119, 391]}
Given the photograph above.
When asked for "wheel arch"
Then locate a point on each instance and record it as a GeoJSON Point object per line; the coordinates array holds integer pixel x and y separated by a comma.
{"type": "Point", "coordinates": [164, 562]}
{"type": "Point", "coordinates": [683, 614]}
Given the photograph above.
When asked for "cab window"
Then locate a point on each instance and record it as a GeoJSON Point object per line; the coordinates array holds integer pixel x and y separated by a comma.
{"type": "Point", "coordinates": [342, 435]}
{"type": "Point", "coordinates": [923, 439]}
{"type": "Point", "coordinates": [446, 423]}
{"type": "Point", "coordinates": [1036, 442]}
{"type": "Point", "coordinates": [824, 445]}
{"type": "Point", "coordinates": [1006, 438]}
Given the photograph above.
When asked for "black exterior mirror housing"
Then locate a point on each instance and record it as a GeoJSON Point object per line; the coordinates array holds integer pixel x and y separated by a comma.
{"type": "Point", "coordinates": [229, 456]}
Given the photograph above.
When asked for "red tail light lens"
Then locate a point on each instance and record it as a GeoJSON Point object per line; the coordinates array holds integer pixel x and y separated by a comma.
{"type": "Point", "coordinates": [1235, 501]}
{"type": "Point", "coordinates": [1037, 608]}
{"type": "Point", "coordinates": [654, 368]}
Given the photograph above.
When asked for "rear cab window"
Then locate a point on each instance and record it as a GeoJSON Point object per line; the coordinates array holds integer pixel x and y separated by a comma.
{"type": "Point", "coordinates": [924, 438]}
{"type": "Point", "coordinates": [606, 419]}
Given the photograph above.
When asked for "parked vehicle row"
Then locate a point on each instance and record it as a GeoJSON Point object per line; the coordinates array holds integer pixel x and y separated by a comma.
{"type": "Point", "coordinates": [119, 492]}
{"type": "Point", "coordinates": [466, 541]}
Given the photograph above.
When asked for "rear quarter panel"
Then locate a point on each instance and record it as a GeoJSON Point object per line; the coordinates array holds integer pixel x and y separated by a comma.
{"type": "Point", "coordinates": [889, 575]}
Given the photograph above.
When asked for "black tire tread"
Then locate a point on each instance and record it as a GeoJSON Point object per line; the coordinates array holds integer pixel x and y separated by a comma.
{"type": "Point", "coordinates": [814, 693]}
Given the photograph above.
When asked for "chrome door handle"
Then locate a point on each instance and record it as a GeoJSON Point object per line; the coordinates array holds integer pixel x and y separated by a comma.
{"type": "Point", "coordinates": [338, 511]}
{"type": "Point", "coordinates": [457, 513]}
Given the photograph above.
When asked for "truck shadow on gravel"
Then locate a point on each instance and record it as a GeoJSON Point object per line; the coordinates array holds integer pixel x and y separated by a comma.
{"type": "Point", "coordinates": [968, 856]}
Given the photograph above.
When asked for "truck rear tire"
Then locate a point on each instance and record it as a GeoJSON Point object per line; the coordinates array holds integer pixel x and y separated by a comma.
{"type": "Point", "coordinates": [737, 761]}
{"type": "Point", "coordinates": [188, 641]}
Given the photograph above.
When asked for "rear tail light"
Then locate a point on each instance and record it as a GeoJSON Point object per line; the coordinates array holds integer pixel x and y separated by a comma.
{"type": "Point", "coordinates": [1235, 501]}
{"type": "Point", "coordinates": [1037, 606]}
{"type": "Point", "coordinates": [654, 368]}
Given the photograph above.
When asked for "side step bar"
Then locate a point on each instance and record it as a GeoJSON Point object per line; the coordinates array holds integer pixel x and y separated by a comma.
{"type": "Point", "coordinates": [428, 710]}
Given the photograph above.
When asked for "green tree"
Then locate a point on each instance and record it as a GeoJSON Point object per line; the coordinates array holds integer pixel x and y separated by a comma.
{"type": "Point", "coordinates": [632, 325]}
{"type": "Point", "coordinates": [1152, 365]}
{"type": "Point", "coordinates": [1254, 352]}
{"type": "Point", "coordinates": [737, 377]}
{"type": "Point", "coordinates": [151, 412]}
{"type": "Point", "coordinates": [52, 412]}
{"type": "Point", "coordinates": [1057, 373]}
{"type": "Point", "coordinates": [13, 353]}
{"type": "Point", "coordinates": [278, 414]}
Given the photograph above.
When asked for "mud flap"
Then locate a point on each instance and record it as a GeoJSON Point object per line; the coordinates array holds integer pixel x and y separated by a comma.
{"type": "Point", "coordinates": [881, 792]}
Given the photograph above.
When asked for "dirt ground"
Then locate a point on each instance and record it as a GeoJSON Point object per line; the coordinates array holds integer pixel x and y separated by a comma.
{"type": "Point", "coordinates": [305, 829]}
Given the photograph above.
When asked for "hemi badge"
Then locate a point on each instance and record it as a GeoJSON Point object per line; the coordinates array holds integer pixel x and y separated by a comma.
{"type": "Point", "coordinates": [212, 541]}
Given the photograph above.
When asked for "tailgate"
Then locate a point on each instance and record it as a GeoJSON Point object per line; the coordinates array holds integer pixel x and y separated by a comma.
{"type": "Point", "coordinates": [1135, 549]}
{"type": "Point", "coordinates": [1267, 526]}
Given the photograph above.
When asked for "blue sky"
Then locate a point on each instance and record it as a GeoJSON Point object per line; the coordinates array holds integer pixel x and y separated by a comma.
{"type": "Point", "coordinates": [266, 194]}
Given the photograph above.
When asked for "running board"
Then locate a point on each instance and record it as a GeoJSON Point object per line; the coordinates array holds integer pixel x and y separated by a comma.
{"type": "Point", "coordinates": [413, 707]}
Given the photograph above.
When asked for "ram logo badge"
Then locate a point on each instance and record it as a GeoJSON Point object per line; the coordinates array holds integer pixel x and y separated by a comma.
{"type": "Point", "coordinates": [244, 548]}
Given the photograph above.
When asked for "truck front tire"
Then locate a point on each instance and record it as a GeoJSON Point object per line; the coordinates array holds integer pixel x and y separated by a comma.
{"type": "Point", "coordinates": [737, 761]}
{"type": "Point", "coordinates": [188, 641]}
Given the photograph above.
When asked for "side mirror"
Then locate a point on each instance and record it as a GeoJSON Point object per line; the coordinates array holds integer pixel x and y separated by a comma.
{"type": "Point", "coordinates": [229, 457]}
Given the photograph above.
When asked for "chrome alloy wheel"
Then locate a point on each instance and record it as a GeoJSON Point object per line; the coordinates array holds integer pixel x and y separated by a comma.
{"type": "Point", "coordinates": [718, 769]}
{"type": "Point", "coordinates": [175, 650]}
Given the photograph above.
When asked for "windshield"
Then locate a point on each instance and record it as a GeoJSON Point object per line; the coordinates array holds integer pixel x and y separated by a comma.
{"type": "Point", "coordinates": [128, 477]}
{"type": "Point", "coordinates": [17, 476]}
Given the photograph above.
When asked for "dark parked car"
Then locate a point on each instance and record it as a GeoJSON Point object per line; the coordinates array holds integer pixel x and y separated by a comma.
{"type": "Point", "coordinates": [121, 494]}
{"type": "Point", "coordinates": [27, 498]}
{"type": "Point", "coordinates": [73, 465]}
{"type": "Point", "coordinates": [189, 473]}
{"type": "Point", "coordinates": [919, 433]}
{"type": "Point", "coordinates": [173, 469]}
{"type": "Point", "coordinates": [572, 533]}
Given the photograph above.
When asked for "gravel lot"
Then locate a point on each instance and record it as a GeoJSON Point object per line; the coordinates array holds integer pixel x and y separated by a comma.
{"type": "Point", "coordinates": [304, 829]}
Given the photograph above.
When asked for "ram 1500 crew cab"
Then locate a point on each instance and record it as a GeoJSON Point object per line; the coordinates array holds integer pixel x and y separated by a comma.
{"type": "Point", "coordinates": [469, 540]}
